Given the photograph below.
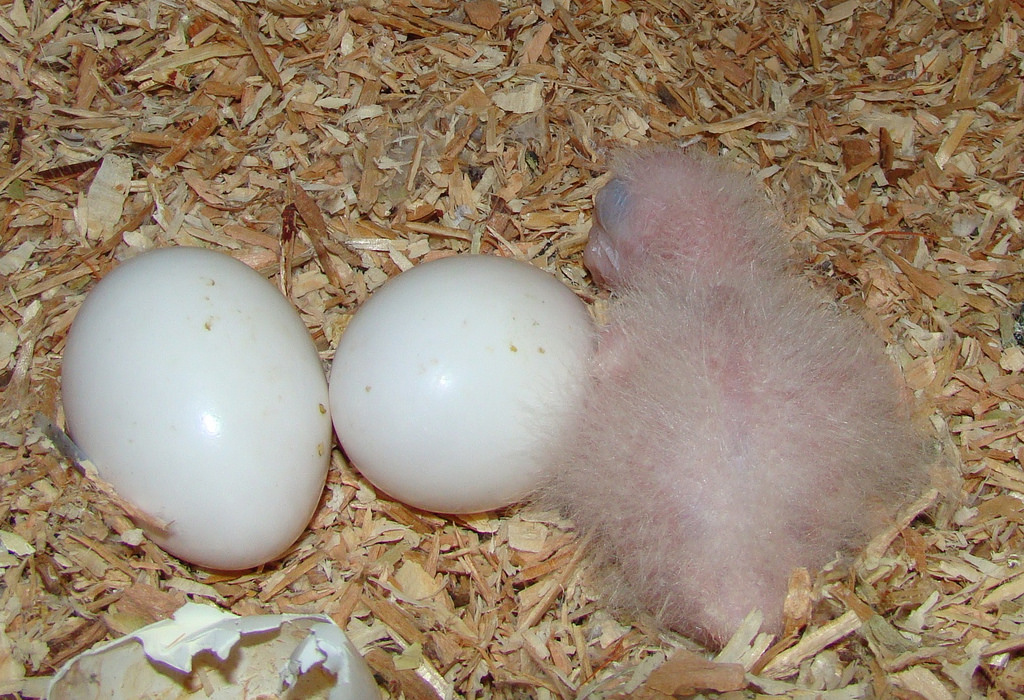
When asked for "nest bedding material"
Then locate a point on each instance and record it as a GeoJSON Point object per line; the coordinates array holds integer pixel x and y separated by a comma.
{"type": "Point", "coordinates": [332, 145]}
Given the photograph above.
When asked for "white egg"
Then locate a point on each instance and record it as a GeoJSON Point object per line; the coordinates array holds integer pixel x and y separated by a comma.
{"type": "Point", "coordinates": [195, 388]}
{"type": "Point", "coordinates": [452, 379]}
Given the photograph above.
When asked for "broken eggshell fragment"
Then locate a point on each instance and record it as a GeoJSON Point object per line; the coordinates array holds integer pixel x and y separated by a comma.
{"type": "Point", "coordinates": [224, 655]}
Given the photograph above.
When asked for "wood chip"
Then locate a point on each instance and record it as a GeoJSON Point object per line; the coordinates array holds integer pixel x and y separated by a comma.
{"type": "Point", "coordinates": [249, 28]}
{"type": "Point", "coordinates": [483, 13]}
{"type": "Point", "coordinates": [107, 195]}
{"type": "Point", "coordinates": [196, 134]}
{"type": "Point", "coordinates": [686, 673]}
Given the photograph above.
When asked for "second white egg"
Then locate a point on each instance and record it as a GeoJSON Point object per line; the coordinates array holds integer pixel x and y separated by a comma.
{"type": "Point", "coordinates": [450, 379]}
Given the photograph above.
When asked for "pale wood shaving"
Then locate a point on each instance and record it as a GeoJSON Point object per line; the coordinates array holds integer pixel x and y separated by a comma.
{"type": "Point", "coordinates": [787, 663]}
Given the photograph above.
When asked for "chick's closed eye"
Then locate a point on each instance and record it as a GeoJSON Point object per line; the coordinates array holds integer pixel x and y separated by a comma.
{"type": "Point", "coordinates": [609, 234]}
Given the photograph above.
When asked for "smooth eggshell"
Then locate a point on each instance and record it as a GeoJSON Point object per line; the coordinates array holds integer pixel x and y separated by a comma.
{"type": "Point", "coordinates": [195, 388]}
{"type": "Point", "coordinates": [448, 380]}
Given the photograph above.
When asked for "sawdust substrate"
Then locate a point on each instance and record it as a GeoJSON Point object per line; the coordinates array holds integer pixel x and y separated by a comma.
{"type": "Point", "coordinates": [377, 135]}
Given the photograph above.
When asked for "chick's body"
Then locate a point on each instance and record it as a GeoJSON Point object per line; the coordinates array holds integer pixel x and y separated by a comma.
{"type": "Point", "coordinates": [735, 425]}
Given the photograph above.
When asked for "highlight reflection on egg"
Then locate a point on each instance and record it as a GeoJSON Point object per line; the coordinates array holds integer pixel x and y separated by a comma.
{"type": "Point", "coordinates": [195, 388]}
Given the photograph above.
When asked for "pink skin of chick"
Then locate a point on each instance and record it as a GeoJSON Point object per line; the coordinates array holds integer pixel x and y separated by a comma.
{"type": "Point", "coordinates": [735, 425]}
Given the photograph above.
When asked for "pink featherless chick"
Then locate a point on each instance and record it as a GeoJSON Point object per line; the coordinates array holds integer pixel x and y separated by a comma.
{"type": "Point", "coordinates": [734, 425]}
